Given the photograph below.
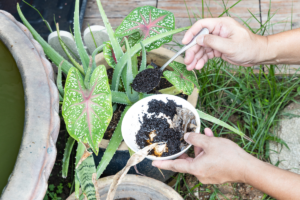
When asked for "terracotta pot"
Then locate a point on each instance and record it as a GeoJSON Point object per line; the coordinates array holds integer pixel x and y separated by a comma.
{"type": "Point", "coordinates": [136, 187]}
{"type": "Point", "coordinates": [37, 152]}
{"type": "Point", "coordinates": [159, 56]}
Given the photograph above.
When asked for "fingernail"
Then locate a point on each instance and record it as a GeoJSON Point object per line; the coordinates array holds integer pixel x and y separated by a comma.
{"type": "Point", "coordinates": [200, 40]}
{"type": "Point", "coordinates": [153, 164]}
{"type": "Point", "coordinates": [186, 136]}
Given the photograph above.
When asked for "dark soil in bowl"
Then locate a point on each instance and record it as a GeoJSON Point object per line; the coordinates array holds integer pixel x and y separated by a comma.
{"type": "Point", "coordinates": [155, 130]}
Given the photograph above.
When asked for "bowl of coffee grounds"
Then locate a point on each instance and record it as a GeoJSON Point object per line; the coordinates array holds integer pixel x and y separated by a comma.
{"type": "Point", "coordinates": [162, 119]}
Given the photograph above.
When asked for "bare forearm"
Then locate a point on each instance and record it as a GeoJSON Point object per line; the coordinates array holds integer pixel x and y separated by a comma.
{"type": "Point", "coordinates": [282, 48]}
{"type": "Point", "coordinates": [276, 182]}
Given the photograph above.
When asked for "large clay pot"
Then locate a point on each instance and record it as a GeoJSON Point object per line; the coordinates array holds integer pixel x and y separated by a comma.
{"type": "Point", "coordinates": [119, 160]}
{"type": "Point", "coordinates": [37, 151]}
{"type": "Point", "coordinates": [136, 187]}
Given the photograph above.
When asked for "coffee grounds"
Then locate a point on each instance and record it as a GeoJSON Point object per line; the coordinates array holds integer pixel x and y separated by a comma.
{"type": "Point", "coordinates": [146, 80]}
{"type": "Point", "coordinates": [169, 108]}
{"type": "Point", "coordinates": [163, 134]}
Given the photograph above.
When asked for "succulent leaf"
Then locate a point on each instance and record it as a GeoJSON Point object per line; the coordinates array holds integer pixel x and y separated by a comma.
{"type": "Point", "coordinates": [87, 112]}
{"type": "Point", "coordinates": [181, 78]}
{"type": "Point", "coordinates": [148, 21]}
{"type": "Point", "coordinates": [85, 173]}
{"type": "Point", "coordinates": [114, 42]}
{"type": "Point", "coordinates": [66, 158]}
{"type": "Point", "coordinates": [78, 40]}
{"type": "Point", "coordinates": [112, 147]}
{"type": "Point", "coordinates": [144, 58]}
{"type": "Point", "coordinates": [49, 51]}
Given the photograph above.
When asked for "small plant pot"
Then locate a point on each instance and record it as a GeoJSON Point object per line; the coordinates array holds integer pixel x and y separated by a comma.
{"type": "Point", "coordinates": [68, 40]}
{"type": "Point", "coordinates": [131, 122]}
{"type": "Point", "coordinates": [160, 56]}
{"type": "Point", "coordinates": [137, 188]}
{"type": "Point", "coordinates": [95, 34]}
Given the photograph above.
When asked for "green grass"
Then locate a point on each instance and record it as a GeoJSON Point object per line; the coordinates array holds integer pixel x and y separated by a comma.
{"type": "Point", "coordinates": [250, 100]}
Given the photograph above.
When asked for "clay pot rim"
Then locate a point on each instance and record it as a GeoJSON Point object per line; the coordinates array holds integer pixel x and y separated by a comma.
{"type": "Point", "coordinates": [193, 98]}
{"type": "Point", "coordinates": [142, 181]}
{"type": "Point", "coordinates": [37, 152]}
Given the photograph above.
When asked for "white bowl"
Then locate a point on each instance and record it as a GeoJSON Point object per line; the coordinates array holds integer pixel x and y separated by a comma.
{"type": "Point", "coordinates": [131, 124]}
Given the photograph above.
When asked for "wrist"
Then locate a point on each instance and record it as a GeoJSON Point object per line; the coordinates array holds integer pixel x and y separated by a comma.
{"type": "Point", "coordinates": [266, 54]}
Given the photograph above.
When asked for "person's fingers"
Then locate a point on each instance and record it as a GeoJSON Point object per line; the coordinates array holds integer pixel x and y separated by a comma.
{"type": "Point", "coordinates": [217, 53]}
{"type": "Point", "coordinates": [192, 65]}
{"type": "Point", "coordinates": [208, 132]}
{"type": "Point", "coordinates": [197, 150]}
{"type": "Point", "coordinates": [183, 156]}
{"type": "Point", "coordinates": [215, 42]}
{"type": "Point", "coordinates": [209, 23]}
{"type": "Point", "coordinates": [200, 64]}
{"type": "Point", "coordinates": [179, 165]}
{"type": "Point", "coordinates": [190, 54]}
{"type": "Point", "coordinates": [197, 139]}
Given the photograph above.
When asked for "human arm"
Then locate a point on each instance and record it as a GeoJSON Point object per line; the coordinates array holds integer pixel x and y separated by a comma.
{"type": "Point", "coordinates": [238, 45]}
{"type": "Point", "coordinates": [219, 160]}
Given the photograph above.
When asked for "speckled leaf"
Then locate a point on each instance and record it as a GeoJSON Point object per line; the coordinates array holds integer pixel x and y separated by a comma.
{"type": "Point", "coordinates": [148, 21]}
{"type": "Point", "coordinates": [109, 55]}
{"type": "Point", "coordinates": [87, 112]}
{"type": "Point", "coordinates": [181, 78]}
{"type": "Point", "coordinates": [132, 39]}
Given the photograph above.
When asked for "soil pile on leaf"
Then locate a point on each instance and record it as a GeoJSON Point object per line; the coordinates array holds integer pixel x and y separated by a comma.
{"type": "Point", "coordinates": [164, 129]}
{"type": "Point", "coordinates": [146, 80]}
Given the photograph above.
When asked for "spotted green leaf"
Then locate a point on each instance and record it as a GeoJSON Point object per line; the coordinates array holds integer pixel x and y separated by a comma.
{"type": "Point", "coordinates": [109, 55]}
{"type": "Point", "coordinates": [148, 21]}
{"type": "Point", "coordinates": [87, 111]}
{"type": "Point", "coordinates": [181, 78]}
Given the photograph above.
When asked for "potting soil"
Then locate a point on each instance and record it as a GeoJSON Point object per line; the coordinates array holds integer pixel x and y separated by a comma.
{"type": "Point", "coordinates": [154, 129]}
{"type": "Point", "coordinates": [146, 80]}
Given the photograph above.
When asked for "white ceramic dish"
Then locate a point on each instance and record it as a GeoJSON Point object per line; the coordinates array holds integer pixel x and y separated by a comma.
{"type": "Point", "coordinates": [131, 124]}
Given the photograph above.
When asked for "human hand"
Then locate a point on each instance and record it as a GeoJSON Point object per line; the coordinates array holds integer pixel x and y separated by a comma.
{"type": "Point", "coordinates": [217, 160]}
{"type": "Point", "coordinates": [227, 39]}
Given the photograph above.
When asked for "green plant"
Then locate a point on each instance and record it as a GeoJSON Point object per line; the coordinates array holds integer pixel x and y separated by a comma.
{"type": "Point", "coordinates": [87, 97]}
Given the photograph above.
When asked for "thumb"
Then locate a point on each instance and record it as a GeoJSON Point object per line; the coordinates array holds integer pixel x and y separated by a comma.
{"type": "Point", "coordinates": [198, 140]}
{"type": "Point", "coordinates": [215, 42]}
{"type": "Point", "coordinates": [178, 165]}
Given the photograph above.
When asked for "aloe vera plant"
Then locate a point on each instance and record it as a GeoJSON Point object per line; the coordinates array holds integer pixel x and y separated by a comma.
{"type": "Point", "coordinates": [87, 96]}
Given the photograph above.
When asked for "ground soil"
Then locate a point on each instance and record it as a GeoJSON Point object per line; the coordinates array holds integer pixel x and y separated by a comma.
{"type": "Point", "coordinates": [56, 176]}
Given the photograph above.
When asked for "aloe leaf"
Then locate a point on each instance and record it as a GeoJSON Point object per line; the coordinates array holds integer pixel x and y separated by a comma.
{"type": "Point", "coordinates": [132, 95]}
{"type": "Point", "coordinates": [149, 21]}
{"type": "Point", "coordinates": [214, 120]}
{"type": "Point", "coordinates": [114, 42]}
{"type": "Point", "coordinates": [88, 75]}
{"type": "Point", "coordinates": [170, 90]}
{"type": "Point", "coordinates": [94, 55]}
{"type": "Point", "coordinates": [49, 51]}
{"type": "Point", "coordinates": [109, 55]}
{"type": "Point", "coordinates": [112, 147]}
{"type": "Point", "coordinates": [181, 78]}
{"type": "Point", "coordinates": [79, 152]}
{"type": "Point", "coordinates": [85, 173]}
{"type": "Point", "coordinates": [66, 158]}
{"type": "Point", "coordinates": [144, 58]}
{"type": "Point", "coordinates": [59, 81]}
{"type": "Point", "coordinates": [63, 46]}
{"type": "Point", "coordinates": [120, 97]}
{"type": "Point", "coordinates": [121, 62]}
{"type": "Point", "coordinates": [87, 112]}
{"type": "Point", "coordinates": [78, 40]}
{"type": "Point", "coordinates": [134, 62]}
